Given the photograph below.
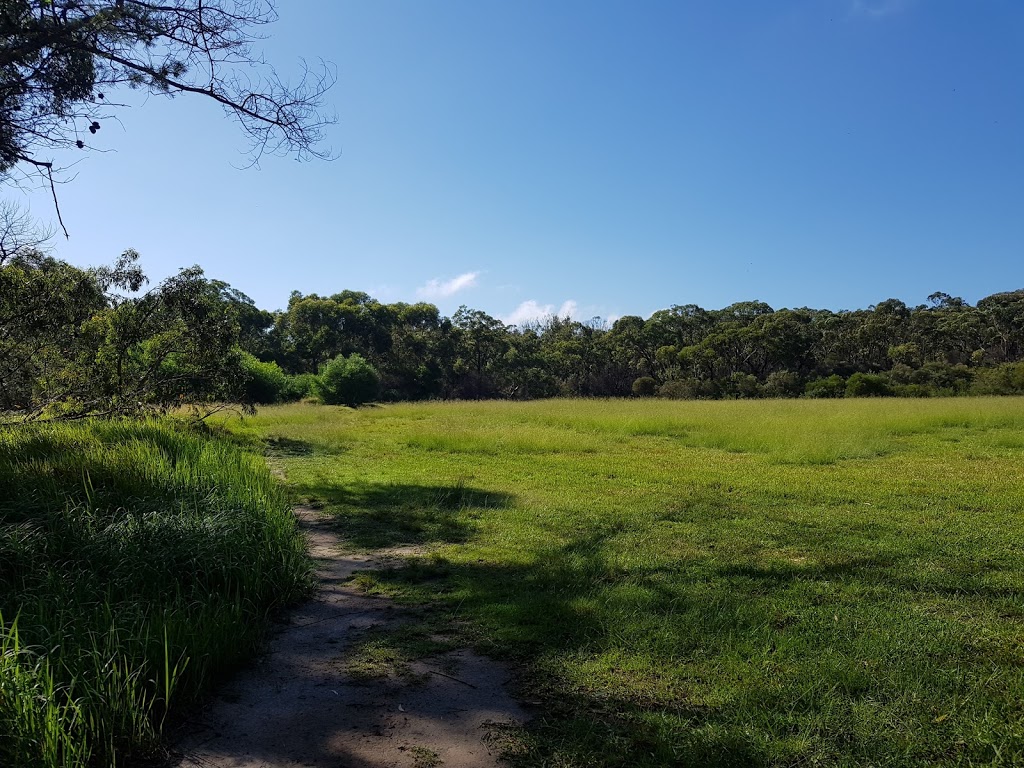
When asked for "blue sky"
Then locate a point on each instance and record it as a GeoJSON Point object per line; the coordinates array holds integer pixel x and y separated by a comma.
{"type": "Point", "coordinates": [597, 158]}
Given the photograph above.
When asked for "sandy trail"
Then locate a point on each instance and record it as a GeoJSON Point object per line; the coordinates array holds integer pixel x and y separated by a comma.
{"type": "Point", "coordinates": [298, 707]}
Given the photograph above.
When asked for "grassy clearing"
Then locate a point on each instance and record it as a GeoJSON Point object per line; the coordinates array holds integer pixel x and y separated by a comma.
{"type": "Point", "coordinates": [138, 562]}
{"type": "Point", "coordinates": [706, 583]}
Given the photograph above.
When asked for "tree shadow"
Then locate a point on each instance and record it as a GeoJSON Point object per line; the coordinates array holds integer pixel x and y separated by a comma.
{"type": "Point", "coordinates": [377, 515]}
{"type": "Point", "coordinates": [862, 568]}
{"type": "Point", "coordinates": [287, 447]}
{"type": "Point", "coordinates": [572, 600]}
{"type": "Point", "coordinates": [528, 611]}
{"type": "Point", "coordinates": [882, 571]}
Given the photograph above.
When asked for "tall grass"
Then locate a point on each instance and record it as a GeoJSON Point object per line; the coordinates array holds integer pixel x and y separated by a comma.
{"type": "Point", "coordinates": [138, 561]}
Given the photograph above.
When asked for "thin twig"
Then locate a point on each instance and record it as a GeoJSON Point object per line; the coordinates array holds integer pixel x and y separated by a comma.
{"type": "Point", "coordinates": [56, 205]}
{"type": "Point", "coordinates": [442, 674]}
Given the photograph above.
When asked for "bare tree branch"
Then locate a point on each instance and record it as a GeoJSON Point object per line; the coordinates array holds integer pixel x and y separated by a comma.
{"type": "Point", "coordinates": [20, 235]}
{"type": "Point", "coordinates": [61, 59]}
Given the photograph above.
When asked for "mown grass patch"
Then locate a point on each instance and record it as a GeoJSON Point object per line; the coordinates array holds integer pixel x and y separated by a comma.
{"type": "Point", "coordinates": [720, 583]}
{"type": "Point", "coordinates": [138, 562]}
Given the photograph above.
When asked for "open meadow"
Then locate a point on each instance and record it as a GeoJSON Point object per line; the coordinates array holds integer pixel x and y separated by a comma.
{"type": "Point", "coordinates": [702, 583]}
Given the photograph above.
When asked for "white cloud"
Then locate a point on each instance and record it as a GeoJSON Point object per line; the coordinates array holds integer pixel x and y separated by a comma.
{"type": "Point", "coordinates": [436, 289]}
{"type": "Point", "coordinates": [569, 308]}
{"type": "Point", "coordinates": [530, 311]}
{"type": "Point", "coordinates": [526, 312]}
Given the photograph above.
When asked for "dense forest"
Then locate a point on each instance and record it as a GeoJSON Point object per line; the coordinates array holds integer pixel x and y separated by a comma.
{"type": "Point", "coordinates": [75, 342]}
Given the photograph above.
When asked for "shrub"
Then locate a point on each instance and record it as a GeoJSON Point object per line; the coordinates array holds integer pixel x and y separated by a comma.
{"type": "Point", "coordinates": [645, 386]}
{"type": "Point", "coordinates": [867, 385]}
{"type": "Point", "coordinates": [949, 379]}
{"type": "Point", "coordinates": [298, 387]}
{"type": "Point", "coordinates": [1005, 379]}
{"type": "Point", "coordinates": [912, 390]}
{"type": "Point", "coordinates": [833, 386]}
{"type": "Point", "coordinates": [743, 385]}
{"type": "Point", "coordinates": [904, 374]}
{"type": "Point", "coordinates": [347, 381]}
{"type": "Point", "coordinates": [265, 382]}
{"type": "Point", "coordinates": [688, 389]}
{"type": "Point", "coordinates": [782, 384]}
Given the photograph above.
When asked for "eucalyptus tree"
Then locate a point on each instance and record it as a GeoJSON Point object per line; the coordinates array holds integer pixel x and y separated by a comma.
{"type": "Point", "coordinates": [1004, 315]}
{"type": "Point", "coordinates": [482, 344]}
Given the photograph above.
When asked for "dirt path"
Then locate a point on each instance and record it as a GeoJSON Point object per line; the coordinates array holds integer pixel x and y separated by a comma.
{"type": "Point", "coordinates": [298, 706]}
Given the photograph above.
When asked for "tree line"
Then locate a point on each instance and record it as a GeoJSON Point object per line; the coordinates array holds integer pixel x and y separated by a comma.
{"type": "Point", "coordinates": [748, 349]}
{"type": "Point", "coordinates": [76, 342]}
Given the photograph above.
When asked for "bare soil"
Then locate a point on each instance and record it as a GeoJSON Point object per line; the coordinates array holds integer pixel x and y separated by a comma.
{"type": "Point", "coordinates": [299, 707]}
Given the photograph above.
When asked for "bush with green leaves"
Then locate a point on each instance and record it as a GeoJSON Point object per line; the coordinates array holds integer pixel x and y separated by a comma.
{"type": "Point", "coordinates": [645, 386]}
{"type": "Point", "coordinates": [742, 386]}
{"type": "Point", "coordinates": [265, 383]}
{"type": "Point", "coordinates": [347, 381]}
{"type": "Point", "coordinates": [782, 384]}
{"type": "Point", "coordinates": [947, 379]}
{"type": "Point", "coordinates": [688, 389]}
{"type": "Point", "coordinates": [299, 387]}
{"type": "Point", "coordinates": [1006, 379]}
{"type": "Point", "coordinates": [831, 386]}
{"type": "Point", "coordinates": [913, 390]}
{"type": "Point", "coordinates": [867, 385]}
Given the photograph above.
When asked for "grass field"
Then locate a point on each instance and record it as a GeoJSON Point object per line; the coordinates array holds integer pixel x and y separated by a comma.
{"type": "Point", "coordinates": [705, 583]}
{"type": "Point", "coordinates": [138, 563]}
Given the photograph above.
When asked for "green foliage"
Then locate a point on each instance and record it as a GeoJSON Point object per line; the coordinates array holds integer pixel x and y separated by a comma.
{"type": "Point", "coordinates": [1005, 379]}
{"type": "Point", "coordinates": [867, 385]}
{"type": "Point", "coordinates": [944, 378]}
{"type": "Point", "coordinates": [299, 387]}
{"type": "Point", "coordinates": [347, 381]}
{"type": "Point", "coordinates": [645, 386]}
{"type": "Point", "coordinates": [688, 389]}
{"type": "Point", "coordinates": [908, 353]}
{"type": "Point", "coordinates": [743, 385]}
{"type": "Point", "coordinates": [912, 390]}
{"type": "Point", "coordinates": [783, 384]}
{"type": "Point", "coordinates": [171, 345]}
{"type": "Point", "coordinates": [138, 562]}
{"type": "Point", "coordinates": [43, 303]}
{"type": "Point", "coordinates": [832, 386]}
{"type": "Point", "coordinates": [71, 345]}
{"type": "Point", "coordinates": [265, 382]}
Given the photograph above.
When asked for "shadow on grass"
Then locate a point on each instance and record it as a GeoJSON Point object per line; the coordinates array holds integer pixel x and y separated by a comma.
{"type": "Point", "coordinates": [531, 615]}
{"type": "Point", "coordinates": [764, 685]}
{"type": "Point", "coordinates": [284, 446]}
{"type": "Point", "coordinates": [633, 626]}
{"type": "Point", "coordinates": [886, 572]}
{"type": "Point", "coordinates": [376, 515]}
{"type": "Point", "coordinates": [862, 568]}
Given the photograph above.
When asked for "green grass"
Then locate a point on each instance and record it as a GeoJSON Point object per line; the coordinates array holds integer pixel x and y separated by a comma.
{"type": "Point", "coordinates": [706, 583]}
{"type": "Point", "coordinates": [138, 563]}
